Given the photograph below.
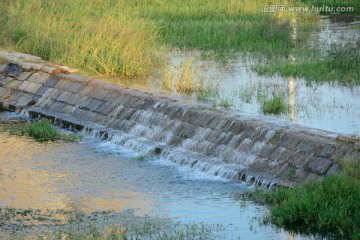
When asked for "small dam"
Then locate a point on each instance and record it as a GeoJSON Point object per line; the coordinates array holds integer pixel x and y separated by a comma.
{"type": "Point", "coordinates": [257, 150]}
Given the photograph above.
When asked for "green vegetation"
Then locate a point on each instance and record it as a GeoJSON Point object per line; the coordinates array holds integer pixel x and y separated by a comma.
{"type": "Point", "coordinates": [328, 207]}
{"type": "Point", "coordinates": [125, 37]}
{"type": "Point", "coordinates": [97, 36]}
{"type": "Point", "coordinates": [334, 3]}
{"type": "Point", "coordinates": [41, 131]}
{"type": "Point", "coordinates": [149, 230]}
{"type": "Point", "coordinates": [73, 224]}
{"type": "Point", "coordinates": [220, 26]}
{"type": "Point", "coordinates": [275, 105]}
{"type": "Point", "coordinates": [186, 77]}
{"type": "Point", "coordinates": [226, 102]}
{"type": "Point", "coordinates": [140, 158]}
{"type": "Point", "coordinates": [207, 95]}
{"type": "Point", "coordinates": [131, 38]}
{"type": "Point", "coordinates": [342, 64]}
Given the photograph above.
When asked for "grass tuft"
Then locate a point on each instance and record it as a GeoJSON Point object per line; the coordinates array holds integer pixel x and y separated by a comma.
{"type": "Point", "coordinates": [187, 77]}
{"type": "Point", "coordinates": [328, 207]}
{"type": "Point", "coordinates": [41, 131]}
{"type": "Point", "coordinates": [275, 105]}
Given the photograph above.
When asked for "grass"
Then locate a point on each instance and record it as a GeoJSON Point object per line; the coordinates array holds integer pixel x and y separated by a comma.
{"type": "Point", "coordinates": [128, 38]}
{"type": "Point", "coordinates": [226, 102]}
{"type": "Point", "coordinates": [334, 3]}
{"type": "Point", "coordinates": [328, 207]}
{"type": "Point", "coordinates": [97, 36]}
{"type": "Point", "coordinates": [187, 77]}
{"type": "Point", "coordinates": [341, 64]}
{"type": "Point", "coordinates": [275, 105]}
{"type": "Point", "coordinates": [149, 230]}
{"type": "Point", "coordinates": [124, 37]}
{"type": "Point", "coordinates": [207, 95]}
{"type": "Point", "coordinates": [220, 26]}
{"type": "Point", "coordinates": [41, 131]}
{"type": "Point", "coordinates": [67, 224]}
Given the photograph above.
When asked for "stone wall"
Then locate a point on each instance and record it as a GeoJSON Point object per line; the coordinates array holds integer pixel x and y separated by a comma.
{"type": "Point", "coordinates": [261, 146]}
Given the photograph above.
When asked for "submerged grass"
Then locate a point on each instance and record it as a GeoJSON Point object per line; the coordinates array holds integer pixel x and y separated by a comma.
{"type": "Point", "coordinates": [187, 77]}
{"type": "Point", "coordinates": [41, 131]}
{"type": "Point", "coordinates": [341, 64]}
{"type": "Point", "coordinates": [329, 207]}
{"type": "Point", "coordinates": [74, 224]}
{"type": "Point", "coordinates": [275, 105]}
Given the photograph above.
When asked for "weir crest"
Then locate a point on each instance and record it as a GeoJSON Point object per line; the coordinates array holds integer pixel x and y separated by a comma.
{"type": "Point", "coordinates": [257, 150]}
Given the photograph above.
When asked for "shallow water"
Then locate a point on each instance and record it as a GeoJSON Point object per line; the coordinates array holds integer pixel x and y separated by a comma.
{"type": "Point", "coordinates": [326, 106]}
{"type": "Point", "coordinates": [98, 175]}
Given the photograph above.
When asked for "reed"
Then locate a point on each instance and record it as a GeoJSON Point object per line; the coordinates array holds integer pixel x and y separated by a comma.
{"type": "Point", "coordinates": [96, 36]}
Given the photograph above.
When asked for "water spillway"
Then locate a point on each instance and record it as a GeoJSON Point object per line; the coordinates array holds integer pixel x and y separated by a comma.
{"type": "Point", "coordinates": [257, 150]}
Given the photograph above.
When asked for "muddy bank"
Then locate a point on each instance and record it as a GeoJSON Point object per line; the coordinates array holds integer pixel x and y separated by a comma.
{"type": "Point", "coordinates": [259, 150]}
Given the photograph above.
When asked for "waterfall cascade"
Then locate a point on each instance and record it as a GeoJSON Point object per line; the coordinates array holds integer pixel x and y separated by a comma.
{"type": "Point", "coordinates": [258, 150]}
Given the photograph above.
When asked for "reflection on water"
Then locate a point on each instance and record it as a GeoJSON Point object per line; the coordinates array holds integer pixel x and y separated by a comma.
{"type": "Point", "coordinates": [336, 29]}
{"type": "Point", "coordinates": [61, 176]}
{"type": "Point", "coordinates": [292, 99]}
{"type": "Point", "coordinates": [326, 106]}
{"type": "Point", "coordinates": [94, 175]}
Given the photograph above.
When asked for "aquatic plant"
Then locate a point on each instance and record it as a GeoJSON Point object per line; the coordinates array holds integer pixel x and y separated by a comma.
{"type": "Point", "coordinates": [65, 224]}
{"type": "Point", "coordinates": [275, 105]}
{"type": "Point", "coordinates": [341, 64]}
{"type": "Point", "coordinates": [187, 77]}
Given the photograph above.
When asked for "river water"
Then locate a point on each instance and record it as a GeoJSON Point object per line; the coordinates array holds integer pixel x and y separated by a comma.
{"type": "Point", "coordinates": [97, 175]}
{"type": "Point", "coordinates": [327, 106]}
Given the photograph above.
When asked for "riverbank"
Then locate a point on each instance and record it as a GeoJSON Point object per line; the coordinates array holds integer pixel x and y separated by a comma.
{"type": "Point", "coordinates": [328, 207]}
{"type": "Point", "coordinates": [133, 38]}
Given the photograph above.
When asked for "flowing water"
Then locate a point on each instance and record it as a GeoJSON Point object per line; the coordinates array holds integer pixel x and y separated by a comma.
{"type": "Point", "coordinates": [97, 175]}
{"type": "Point", "coordinates": [115, 175]}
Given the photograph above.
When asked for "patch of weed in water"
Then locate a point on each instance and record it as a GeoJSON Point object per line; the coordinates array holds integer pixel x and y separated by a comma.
{"type": "Point", "coordinates": [275, 105]}
{"type": "Point", "coordinates": [41, 131]}
{"type": "Point", "coordinates": [340, 64]}
{"type": "Point", "coordinates": [226, 102]}
{"type": "Point", "coordinates": [104, 225]}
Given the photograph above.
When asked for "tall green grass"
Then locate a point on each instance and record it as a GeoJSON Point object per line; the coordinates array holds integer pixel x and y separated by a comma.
{"type": "Point", "coordinates": [113, 38]}
{"type": "Point", "coordinates": [97, 36]}
{"type": "Point", "coordinates": [123, 37]}
{"type": "Point", "coordinates": [329, 207]}
{"type": "Point", "coordinates": [220, 26]}
{"type": "Point", "coordinates": [341, 64]}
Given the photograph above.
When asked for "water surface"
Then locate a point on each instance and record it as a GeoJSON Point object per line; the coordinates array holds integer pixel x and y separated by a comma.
{"type": "Point", "coordinates": [326, 106]}
{"type": "Point", "coordinates": [97, 175]}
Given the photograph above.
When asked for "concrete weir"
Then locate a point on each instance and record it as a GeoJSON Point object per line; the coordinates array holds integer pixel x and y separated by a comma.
{"type": "Point", "coordinates": [260, 151]}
